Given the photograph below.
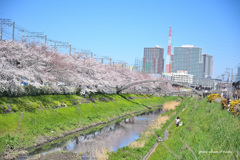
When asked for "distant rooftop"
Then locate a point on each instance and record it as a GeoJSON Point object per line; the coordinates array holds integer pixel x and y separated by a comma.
{"type": "Point", "coordinates": [187, 45]}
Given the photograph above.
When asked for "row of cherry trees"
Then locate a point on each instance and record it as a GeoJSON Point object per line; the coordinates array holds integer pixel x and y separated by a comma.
{"type": "Point", "coordinates": [52, 72]}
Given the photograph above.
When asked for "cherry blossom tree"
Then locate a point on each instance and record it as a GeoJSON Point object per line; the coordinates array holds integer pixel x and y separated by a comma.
{"type": "Point", "coordinates": [39, 66]}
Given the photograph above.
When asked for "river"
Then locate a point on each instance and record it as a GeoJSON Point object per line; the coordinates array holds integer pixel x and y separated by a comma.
{"type": "Point", "coordinates": [111, 137]}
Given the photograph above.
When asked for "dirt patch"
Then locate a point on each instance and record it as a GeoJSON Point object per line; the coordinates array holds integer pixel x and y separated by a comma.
{"type": "Point", "coordinates": [159, 122]}
{"type": "Point", "coordinates": [103, 154]}
{"type": "Point", "coordinates": [170, 105]}
{"type": "Point", "coordinates": [137, 144]}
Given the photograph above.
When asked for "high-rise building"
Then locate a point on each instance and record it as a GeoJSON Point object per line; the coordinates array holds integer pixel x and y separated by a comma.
{"type": "Point", "coordinates": [153, 61]}
{"type": "Point", "coordinates": [190, 59]}
{"type": "Point", "coordinates": [238, 74]}
{"type": "Point", "coordinates": [207, 65]}
{"type": "Point", "coordinates": [138, 65]}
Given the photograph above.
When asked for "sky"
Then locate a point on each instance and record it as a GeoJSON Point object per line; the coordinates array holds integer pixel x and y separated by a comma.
{"type": "Point", "coordinates": [120, 29]}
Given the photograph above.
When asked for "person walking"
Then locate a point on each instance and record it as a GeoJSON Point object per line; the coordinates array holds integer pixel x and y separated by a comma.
{"type": "Point", "coordinates": [83, 93]}
{"type": "Point", "coordinates": [225, 95]}
{"type": "Point", "coordinates": [177, 121]}
{"type": "Point", "coordinates": [237, 93]}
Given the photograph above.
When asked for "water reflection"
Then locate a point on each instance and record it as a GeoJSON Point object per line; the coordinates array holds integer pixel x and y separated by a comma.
{"type": "Point", "coordinates": [111, 137]}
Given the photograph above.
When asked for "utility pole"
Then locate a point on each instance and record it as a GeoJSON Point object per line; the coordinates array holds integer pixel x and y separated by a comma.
{"type": "Point", "coordinates": [13, 31]}
{"type": "Point", "coordinates": [45, 39]}
{"type": "Point", "coordinates": [223, 77]}
{"type": "Point", "coordinates": [231, 81]}
{"type": "Point", "coordinates": [102, 60]}
{"type": "Point", "coordinates": [29, 39]}
{"type": "Point", "coordinates": [55, 46]}
{"type": "Point", "coordinates": [232, 84]}
{"type": "Point", "coordinates": [70, 49]}
{"type": "Point", "coordinates": [22, 35]}
{"type": "Point", "coordinates": [1, 28]}
{"type": "Point", "coordinates": [110, 61]}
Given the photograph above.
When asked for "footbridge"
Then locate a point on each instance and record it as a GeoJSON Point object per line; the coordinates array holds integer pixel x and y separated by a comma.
{"type": "Point", "coordinates": [119, 90]}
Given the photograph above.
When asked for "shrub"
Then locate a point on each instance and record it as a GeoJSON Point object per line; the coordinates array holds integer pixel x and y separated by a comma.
{"type": "Point", "coordinates": [69, 104]}
{"type": "Point", "coordinates": [1, 109]}
{"type": "Point", "coordinates": [1, 102]}
{"type": "Point", "coordinates": [212, 97]}
{"type": "Point", "coordinates": [45, 90]}
{"type": "Point", "coordinates": [78, 90]}
{"type": "Point", "coordinates": [15, 108]}
{"type": "Point", "coordinates": [11, 141]}
{"type": "Point", "coordinates": [235, 107]}
{"type": "Point", "coordinates": [32, 107]}
{"type": "Point", "coordinates": [5, 107]}
{"type": "Point", "coordinates": [224, 103]}
{"type": "Point", "coordinates": [56, 104]}
{"type": "Point", "coordinates": [32, 90]}
{"type": "Point", "coordinates": [40, 104]}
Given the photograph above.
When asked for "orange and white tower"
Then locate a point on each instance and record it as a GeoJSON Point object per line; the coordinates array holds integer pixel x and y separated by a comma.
{"type": "Point", "coordinates": [168, 62]}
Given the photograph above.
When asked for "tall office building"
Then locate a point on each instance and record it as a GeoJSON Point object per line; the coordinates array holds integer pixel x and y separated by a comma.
{"type": "Point", "coordinates": [138, 65]}
{"type": "Point", "coordinates": [207, 65]}
{"type": "Point", "coordinates": [188, 58]}
{"type": "Point", "coordinates": [238, 74]}
{"type": "Point", "coordinates": [153, 61]}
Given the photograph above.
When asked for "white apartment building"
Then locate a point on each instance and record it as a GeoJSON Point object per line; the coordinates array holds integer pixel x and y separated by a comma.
{"type": "Point", "coordinates": [181, 77]}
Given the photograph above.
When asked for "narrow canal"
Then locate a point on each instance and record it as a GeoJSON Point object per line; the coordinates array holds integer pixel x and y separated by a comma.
{"type": "Point", "coordinates": [111, 137]}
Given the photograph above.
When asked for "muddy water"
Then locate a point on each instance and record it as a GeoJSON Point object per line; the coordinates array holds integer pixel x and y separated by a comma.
{"type": "Point", "coordinates": [111, 137]}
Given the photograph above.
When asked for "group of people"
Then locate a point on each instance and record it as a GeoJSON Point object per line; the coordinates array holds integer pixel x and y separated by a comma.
{"type": "Point", "coordinates": [237, 94]}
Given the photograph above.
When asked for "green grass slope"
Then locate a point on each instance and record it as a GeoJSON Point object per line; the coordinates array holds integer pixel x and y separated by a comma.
{"type": "Point", "coordinates": [20, 129]}
{"type": "Point", "coordinates": [209, 131]}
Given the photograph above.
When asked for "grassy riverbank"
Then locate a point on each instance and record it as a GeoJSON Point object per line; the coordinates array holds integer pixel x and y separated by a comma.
{"type": "Point", "coordinates": [27, 128]}
{"type": "Point", "coordinates": [209, 131]}
{"type": "Point", "coordinates": [148, 138]}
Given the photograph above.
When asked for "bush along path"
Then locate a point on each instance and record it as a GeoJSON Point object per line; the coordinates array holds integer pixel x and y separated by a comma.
{"type": "Point", "coordinates": [208, 132]}
{"type": "Point", "coordinates": [24, 130]}
{"type": "Point", "coordinates": [141, 146]}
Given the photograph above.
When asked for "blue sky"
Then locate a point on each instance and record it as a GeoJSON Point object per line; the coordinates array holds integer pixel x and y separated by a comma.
{"type": "Point", "coordinates": [121, 29]}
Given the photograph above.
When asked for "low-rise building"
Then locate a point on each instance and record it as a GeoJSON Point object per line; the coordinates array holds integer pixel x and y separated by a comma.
{"type": "Point", "coordinates": [180, 76]}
